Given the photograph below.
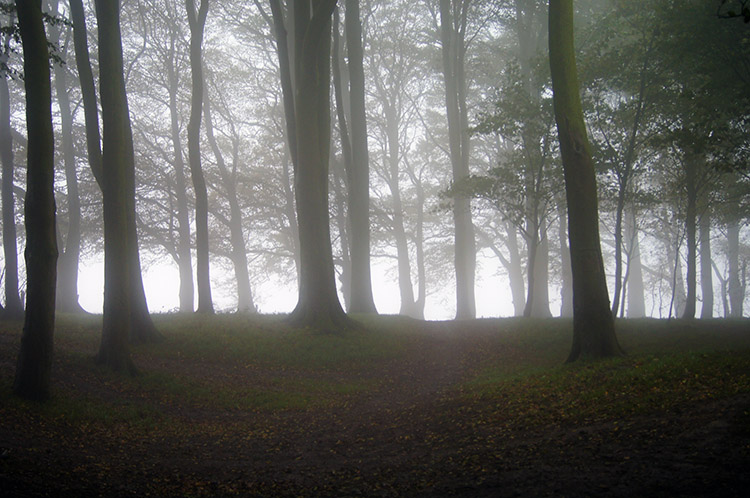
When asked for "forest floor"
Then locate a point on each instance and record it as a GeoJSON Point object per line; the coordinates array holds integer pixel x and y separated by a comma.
{"type": "Point", "coordinates": [242, 406]}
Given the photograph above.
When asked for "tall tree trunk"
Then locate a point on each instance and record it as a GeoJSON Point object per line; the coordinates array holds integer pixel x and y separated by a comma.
{"type": "Point", "coordinates": [237, 238]}
{"type": "Point", "coordinates": [735, 287]}
{"type": "Point", "coordinates": [707, 281]}
{"type": "Point", "coordinates": [593, 324]}
{"type": "Point", "coordinates": [126, 314]}
{"type": "Point", "coordinates": [420, 302]}
{"type": "Point", "coordinates": [532, 246]}
{"type": "Point", "coordinates": [566, 287]}
{"type": "Point", "coordinates": [453, 19]}
{"type": "Point", "coordinates": [540, 306]}
{"type": "Point", "coordinates": [359, 174]}
{"type": "Point", "coordinates": [515, 272]}
{"type": "Point", "coordinates": [13, 305]}
{"type": "Point", "coordinates": [690, 231]}
{"type": "Point", "coordinates": [197, 23]}
{"type": "Point", "coordinates": [318, 306]}
{"type": "Point", "coordinates": [345, 178]}
{"type": "Point", "coordinates": [141, 326]}
{"type": "Point", "coordinates": [405, 286]}
{"type": "Point", "coordinates": [88, 90]}
{"type": "Point", "coordinates": [339, 196]}
{"type": "Point", "coordinates": [636, 302]}
{"type": "Point", "coordinates": [33, 369]}
{"type": "Point", "coordinates": [184, 255]}
{"type": "Point", "coordinates": [289, 210]}
{"type": "Point", "coordinates": [68, 260]}
{"type": "Point", "coordinates": [619, 210]}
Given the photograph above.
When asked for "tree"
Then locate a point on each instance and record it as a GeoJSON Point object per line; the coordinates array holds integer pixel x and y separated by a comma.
{"type": "Point", "coordinates": [32, 379]}
{"type": "Point", "coordinates": [13, 306]}
{"type": "Point", "coordinates": [88, 90]}
{"type": "Point", "coordinates": [197, 21]}
{"type": "Point", "coordinates": [318, 305]}
{"type": "Point", "coordinates": [593, 324]}
{"type": "Point", "coordinates": [359, 171]}
{"type": "Point", "coordinates": [118, 191]}
{"type": "Point", "coordinates": [239, 251]}
{"type": "Point", "coordinates": [453, 22]}
{"type": "Point", "coordinates": [68, 261]}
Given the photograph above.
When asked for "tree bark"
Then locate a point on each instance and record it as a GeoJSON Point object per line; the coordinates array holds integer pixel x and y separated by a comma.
{"type": "Point", "coordinates": [341, 193]}
{"type": "Point", "coordinates": [515, 270]}
{"type": "Point", "coordinates": [707, 281]}
{"type": "Point", "coordinates": [13, 306]}
{"type": "Point", "coordinates": [197, 23]}
{"type": "Point", "coordinates": [359, 174]}
{"type": "Point", "coordinates": [405, 285]}
{"type": "Point", "coordinates": [690, 232]}
{"type": "Point", "coordinates": [125, 311]}
{"type": "Point", "coordinates": [245, 302]}
{"type": "Point", "coordinates": [636, 303]}
{"type": "Point", "coordinates": [452, 30]}
{"type": "Point", "coordinates": [566, 287]}
{"type": "Point", "coordinates": [184, 253]}
{"type": "Point", "coordinates": [593, 324]}
{"type": "Point", "coordinates": [318, 306]}
{"type": "Point", "coordinates": [736, 290]}
{"type": "Point", "coordinates": [69, 258]}
{"type": "Point", "coordinates": [33, 369]}
{"type": "Point", "coordinates": [540, 304]}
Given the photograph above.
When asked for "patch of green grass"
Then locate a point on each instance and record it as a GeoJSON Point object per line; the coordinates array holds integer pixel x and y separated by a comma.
{"type": "Point", "coordinates": [616, 388]}
{"type": "Point", "coordinates": [268, 341]}
{"type": "Point", "coordinates": [80, 410]}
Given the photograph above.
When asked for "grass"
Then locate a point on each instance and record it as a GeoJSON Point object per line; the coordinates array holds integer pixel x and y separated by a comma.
{"type": "Point", "coordinates": [233, 364]}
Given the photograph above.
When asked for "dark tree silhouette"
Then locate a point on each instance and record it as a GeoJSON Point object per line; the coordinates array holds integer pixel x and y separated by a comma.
{"type": "Point", "coordinates": [593, 323]}
{"type": "Point", "coordinates": [13, 306]}
{"type": "Point", "coordinates": [197, 21]}
{"type": "Point", "coordinates": [318, 306]}
{"type": "Point", "coordinates": [32, 378]}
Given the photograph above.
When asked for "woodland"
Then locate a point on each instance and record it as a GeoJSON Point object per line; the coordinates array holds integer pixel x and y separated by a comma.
{"type": "Point", "coordinates": [579, 168]}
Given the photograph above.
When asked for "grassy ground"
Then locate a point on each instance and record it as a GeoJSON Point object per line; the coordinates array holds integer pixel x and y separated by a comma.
{"type": "Point", "coordinates": [240, 405]}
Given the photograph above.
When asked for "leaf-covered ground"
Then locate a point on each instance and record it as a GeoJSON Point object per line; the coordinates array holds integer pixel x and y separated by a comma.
{"type": "Point", "coordinates": [243, 406]}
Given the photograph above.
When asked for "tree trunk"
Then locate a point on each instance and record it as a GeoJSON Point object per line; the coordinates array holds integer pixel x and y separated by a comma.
{"type": "Point", "coordinates": [690, 232]}
{"type": "Point", "coordinates": [197, 24]}
{"type": "Point", "coordinates": [593, 324]}
{"type": "Point", "coordinates": [68, 260]}
{"type": "Point", "coordinates": [121, 262]}
{"type": "Point", "coordinates": [540, 306]}
{"type": "Point", "coordinates": [420, 302]}
{"type": "Point", "coordinates": [636, 303]}
{"type": "Point", "coordinates": [318, 306]}
{"type": "Point", "coordinates": [338, 178]}
{"type": "Point", "coordinates": [339, 196]}
{"type": "Point", "coordinates": [184, 255]}
{"type": "Point", "coordinates": [452, 31]}
{"type": "Point", "coordinates": [566, 287]}
{"type": "Point", "coordinates": [735, 289]}
{"type": "Point", "coordinates": [405, 286]}
{"type": "Point", "coordinates": [359, 175]}
{"type": "Point", "coordinates": [32, 378]}
{"type": "Point", "coordinates": [13, 306]}
{"type": "Point", "coordinates": [515, 273]}
{"type": "Point", "coordinates": [707, 281]}
{"type": "Point", "coordinates": [88, 90]}
{"type": "Point", "coordinates": [619, 210]}
{"type": "Point", "coordinates": [237, 237]}
{"type": "Point", "coordinates": [532, 245]}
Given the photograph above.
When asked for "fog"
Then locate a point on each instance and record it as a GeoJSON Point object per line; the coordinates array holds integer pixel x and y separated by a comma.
{"type": "Point", "coordinates": [658, 112]}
